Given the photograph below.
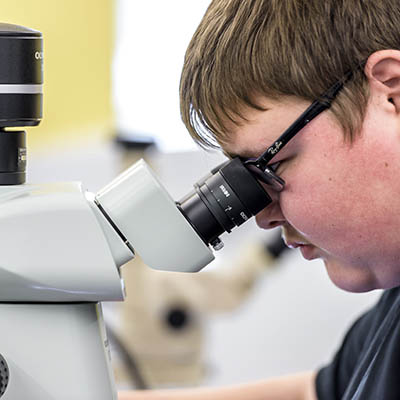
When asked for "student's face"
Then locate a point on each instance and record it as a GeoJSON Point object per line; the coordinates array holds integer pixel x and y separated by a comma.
{"type": "Point", "coordinates": [341, 202]}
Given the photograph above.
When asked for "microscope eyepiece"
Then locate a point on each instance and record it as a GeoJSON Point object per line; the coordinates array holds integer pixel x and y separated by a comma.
{"type": "Point", "coordinates": [176, 236]}
{"type": "Point", "coordinates": [226, 198]}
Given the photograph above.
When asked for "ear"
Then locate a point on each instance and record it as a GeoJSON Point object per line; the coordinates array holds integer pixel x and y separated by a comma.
{"type": "Point", "coordinates": [383, 72]}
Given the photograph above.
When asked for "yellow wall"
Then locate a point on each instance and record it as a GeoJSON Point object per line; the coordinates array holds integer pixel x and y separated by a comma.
{"type": "Point", "coordinates": [78, 46]}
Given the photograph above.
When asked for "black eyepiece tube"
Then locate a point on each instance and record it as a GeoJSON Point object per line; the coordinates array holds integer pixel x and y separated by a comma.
{"type": "Point", "coordinates": [227, 197]}
{"type": "Point", "coordinates": [21, 76]}
{"type": "Point", "coordinates": [21, 87]}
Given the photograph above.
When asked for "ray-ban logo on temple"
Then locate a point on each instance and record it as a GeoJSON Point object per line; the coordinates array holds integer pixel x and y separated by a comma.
{"type": "Point", "coordinates": [275, 148]}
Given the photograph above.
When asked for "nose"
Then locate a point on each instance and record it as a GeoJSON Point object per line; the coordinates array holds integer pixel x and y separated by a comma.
{"type": "Point", "coordinates": [271, 216]}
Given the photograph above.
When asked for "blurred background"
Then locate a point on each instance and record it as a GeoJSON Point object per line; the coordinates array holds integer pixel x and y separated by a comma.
{"type": "Point", "coordinates": [112, 72]}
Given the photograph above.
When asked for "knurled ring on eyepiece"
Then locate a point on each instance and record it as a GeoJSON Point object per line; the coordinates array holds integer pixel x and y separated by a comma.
{"type": "Point", "coordinates": [4, 375]}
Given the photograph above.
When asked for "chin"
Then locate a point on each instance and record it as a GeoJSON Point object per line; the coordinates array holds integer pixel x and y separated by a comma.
{"type": "Point", "coordinates": [350, 278]}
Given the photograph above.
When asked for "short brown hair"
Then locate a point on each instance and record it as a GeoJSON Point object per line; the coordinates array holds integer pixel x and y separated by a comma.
{"type": "Point", "coordinates": [246, 48]}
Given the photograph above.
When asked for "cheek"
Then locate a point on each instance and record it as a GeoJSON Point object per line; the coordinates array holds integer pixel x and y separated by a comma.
{"type": "Point", "coordinates": [319, 203]}
{"type": "Point", "coordinates": [313, 197]}
{"type": "Point", "coordinates": [311, 206]}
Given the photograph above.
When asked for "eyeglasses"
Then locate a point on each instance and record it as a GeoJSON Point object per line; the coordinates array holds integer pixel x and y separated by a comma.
{"type": "Point", "coordinates": [259, 166]}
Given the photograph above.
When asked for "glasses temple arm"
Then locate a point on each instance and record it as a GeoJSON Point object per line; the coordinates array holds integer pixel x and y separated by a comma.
{"type": "Point", "coordinates": [311, 112]}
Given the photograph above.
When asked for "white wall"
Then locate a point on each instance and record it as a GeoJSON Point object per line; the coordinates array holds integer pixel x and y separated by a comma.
{"type": "Point", "coordinates": [151, 40]}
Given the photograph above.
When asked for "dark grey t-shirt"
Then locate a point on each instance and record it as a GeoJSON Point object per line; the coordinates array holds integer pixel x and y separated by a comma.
{"type": "Point", "coordinates": [367, 366]}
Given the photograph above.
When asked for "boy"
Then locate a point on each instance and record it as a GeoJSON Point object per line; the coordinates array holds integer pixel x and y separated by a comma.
{"type": "Point", "coordinates": [252, 68]}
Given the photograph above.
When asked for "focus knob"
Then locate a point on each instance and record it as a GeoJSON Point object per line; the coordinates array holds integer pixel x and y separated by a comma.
{"type": "Point", "coordinates": [4, 375]}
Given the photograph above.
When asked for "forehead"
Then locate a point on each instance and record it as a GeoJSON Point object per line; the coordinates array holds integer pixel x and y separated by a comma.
{"type": "Point", "coordinates": [257, 130]}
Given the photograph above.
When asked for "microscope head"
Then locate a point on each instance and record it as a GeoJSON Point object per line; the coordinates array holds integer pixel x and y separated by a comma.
{"type": "Point", "coordinates": [21, 92]}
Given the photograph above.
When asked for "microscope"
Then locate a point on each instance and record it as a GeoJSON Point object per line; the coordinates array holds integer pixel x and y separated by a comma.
{"type": "Point", "coordinates": [62, 247]}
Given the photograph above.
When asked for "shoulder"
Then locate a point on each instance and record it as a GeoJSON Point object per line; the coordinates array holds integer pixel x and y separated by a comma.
{"type": "Point", "coordinates": [363, 338]}
{"type": "Point", "coordinates": [389, 301]}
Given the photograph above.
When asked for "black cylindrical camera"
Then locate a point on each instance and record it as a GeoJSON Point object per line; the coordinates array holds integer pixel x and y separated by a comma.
{"type": "Point", "coordinates": [21, 83]}
{"type": "Point", "coordinates": [227, 197]}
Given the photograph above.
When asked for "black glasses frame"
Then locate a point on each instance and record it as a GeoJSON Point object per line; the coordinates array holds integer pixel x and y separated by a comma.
{"type": "Point", "coordinates": [259, 166]}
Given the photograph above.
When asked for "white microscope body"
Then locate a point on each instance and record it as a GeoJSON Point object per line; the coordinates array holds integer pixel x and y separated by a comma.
{"type": "Point", "coordinates": [61, 249]}
{"type": "Point", "coordinates": [60, 257]}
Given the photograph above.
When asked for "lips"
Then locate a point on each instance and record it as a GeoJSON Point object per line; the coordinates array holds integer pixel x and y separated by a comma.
{"type": "Point", "coordinates": [309, 252]}
{"type": "Point", "coordinates": [293, 244]}
{"type": "Point", "coordinates": [294, 241]}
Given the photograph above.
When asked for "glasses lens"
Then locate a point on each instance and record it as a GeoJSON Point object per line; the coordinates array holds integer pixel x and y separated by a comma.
{"type": "Point", "coordinates": [267, 176]}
